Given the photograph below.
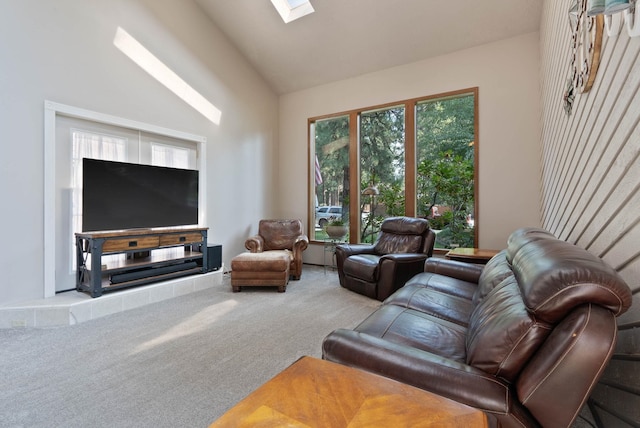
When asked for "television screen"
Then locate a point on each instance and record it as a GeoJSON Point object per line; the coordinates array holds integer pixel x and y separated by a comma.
{"type": "Point", "coordinates": [119, 195]}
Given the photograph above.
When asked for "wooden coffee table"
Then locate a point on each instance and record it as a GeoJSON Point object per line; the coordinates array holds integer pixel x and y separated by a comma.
{"type": "Point", "coordinates": [317, 393]}
{"type": "Point", "coordinates": [471, 255]}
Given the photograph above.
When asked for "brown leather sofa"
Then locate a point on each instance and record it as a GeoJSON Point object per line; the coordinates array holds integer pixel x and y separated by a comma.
{"type": "Point", "coordinates": [281, 235]}
{"type": "Point", "coordinates": [524, 338]}
{"type": "Point", "coordinates": [377, 270]}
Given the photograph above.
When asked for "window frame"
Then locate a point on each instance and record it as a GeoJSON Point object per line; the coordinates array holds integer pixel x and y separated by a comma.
{"type": "Point", "coordinates": [410, 106]}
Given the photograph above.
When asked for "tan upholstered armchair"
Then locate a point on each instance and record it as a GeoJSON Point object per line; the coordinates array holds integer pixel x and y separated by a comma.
{"type": "Point", "coordinates": [285, 236]}
{"type": "Point", "coordinates": [377, 270]}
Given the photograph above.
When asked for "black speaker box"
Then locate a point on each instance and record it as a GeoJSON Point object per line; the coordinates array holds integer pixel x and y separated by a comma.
{"type": "Point", "coordinates": [214, 256]}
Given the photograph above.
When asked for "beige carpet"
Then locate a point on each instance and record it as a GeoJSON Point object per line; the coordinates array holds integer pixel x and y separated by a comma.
{"type": "Point", "coordinates": [178, 363]}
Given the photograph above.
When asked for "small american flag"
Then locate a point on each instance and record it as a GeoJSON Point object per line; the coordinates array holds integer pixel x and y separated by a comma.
{"type": "Point", "coordinates": [318, 173]}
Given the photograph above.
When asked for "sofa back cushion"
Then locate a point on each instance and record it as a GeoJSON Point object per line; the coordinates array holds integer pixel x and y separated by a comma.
{"type": "Point", "coordinates": [494, 272]}
{"type": "Point", "coordinates": [401, 235]}
{"type": "Point", "coordinates": [524, 236]}
{"type": "Point", "coordinates": [499, 267]}
{"type": "Point", "coordinates": [502, 333]}
{"type": "Point", "coordinates": [526, 290]}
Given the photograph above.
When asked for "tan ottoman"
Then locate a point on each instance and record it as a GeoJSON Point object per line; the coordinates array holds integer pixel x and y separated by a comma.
{"type": "Point", "coordinates": [269, 268]}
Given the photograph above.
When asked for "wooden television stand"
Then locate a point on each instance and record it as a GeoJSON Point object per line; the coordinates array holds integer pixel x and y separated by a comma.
{"type": "Point", "coordinates": [149, 255]}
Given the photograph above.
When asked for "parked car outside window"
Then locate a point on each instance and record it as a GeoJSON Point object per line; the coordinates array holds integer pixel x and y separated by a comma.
{"type": "Point", "coordinates": [327, 213]}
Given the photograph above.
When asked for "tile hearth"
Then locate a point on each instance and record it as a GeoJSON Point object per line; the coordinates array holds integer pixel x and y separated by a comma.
{"type": "Point", "coordinates": [74, 307]}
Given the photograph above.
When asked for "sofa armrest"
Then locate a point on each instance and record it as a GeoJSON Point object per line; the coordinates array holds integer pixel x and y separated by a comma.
{"type": "Point", "coordinates": [469, 272]}
{"type": "Point", "coordinates": [439, 375]}
{"type": "Point", "coordinates": [255, 244]}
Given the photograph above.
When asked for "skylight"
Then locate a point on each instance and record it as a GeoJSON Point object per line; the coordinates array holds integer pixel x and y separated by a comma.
{"type": "Point", "coordinates": [290, 10]}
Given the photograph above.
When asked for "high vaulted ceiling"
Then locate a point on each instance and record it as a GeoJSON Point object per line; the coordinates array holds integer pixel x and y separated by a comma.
{"type": "Point", "coordinates": [347, 38]}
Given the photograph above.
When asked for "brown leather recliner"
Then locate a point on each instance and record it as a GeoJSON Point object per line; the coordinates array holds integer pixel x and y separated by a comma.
{"type": "Point", "coordinates": [524, 338]}
{"type": "Point", "coordinates": [281, 235]}
{"type": "Point", "coordinates": [377, 270]}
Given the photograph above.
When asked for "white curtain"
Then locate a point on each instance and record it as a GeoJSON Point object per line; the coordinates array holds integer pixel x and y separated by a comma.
{"type": "Point", "coordinates": [170, 156]}
{"type": "Point", "coordinates": [94, 146]}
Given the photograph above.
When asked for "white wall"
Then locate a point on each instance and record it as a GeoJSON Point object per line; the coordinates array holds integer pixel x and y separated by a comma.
{"type": "Point", "coordinates": [63, 51]}
{"type": "Point", "coordinates": [591, 192]}
{"type": "Point", "coordinates": [507, 74]}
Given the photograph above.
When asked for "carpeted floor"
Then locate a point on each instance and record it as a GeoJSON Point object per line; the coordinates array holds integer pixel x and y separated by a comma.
{"type": "Point", "coordinates": [177, 363]}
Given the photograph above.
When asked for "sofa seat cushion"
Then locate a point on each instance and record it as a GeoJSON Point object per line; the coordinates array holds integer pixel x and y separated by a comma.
{"type": "Point", "coordinates": [362, 266]}
{"type": "Point", "coordinates": [418, 330]}
{"type": "Point", "coordinates": [433, 302]}
{"type": "Point", "coordinates": [444, 284]}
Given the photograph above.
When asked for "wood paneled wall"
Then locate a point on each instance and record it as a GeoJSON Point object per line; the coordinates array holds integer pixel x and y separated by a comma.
{"type": "Point", "coordinates": [591, 187]}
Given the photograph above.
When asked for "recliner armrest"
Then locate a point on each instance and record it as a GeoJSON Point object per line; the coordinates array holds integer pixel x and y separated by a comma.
{"type": "Point", "coordinates": [405, 257]}
{"type": "Point", "coordinates": [350, 249]}
{"type": "Point", "coordinates": [301, 244]}
{"type": "Point", "coordinates": [343, 251]}
{"type": "Point", "coordinates": [469, 272]}
{"type": "Point", "coordinates": [395, 270]}
{"type": "Point", "coordinates": [255, 244]}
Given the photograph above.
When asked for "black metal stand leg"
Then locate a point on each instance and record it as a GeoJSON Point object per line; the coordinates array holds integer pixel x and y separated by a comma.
{"type": "Point", "coordinates": [96, 268]}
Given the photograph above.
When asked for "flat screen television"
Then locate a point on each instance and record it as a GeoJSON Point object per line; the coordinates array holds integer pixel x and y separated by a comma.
{"type": "Point", "coordinates": [120, 195]}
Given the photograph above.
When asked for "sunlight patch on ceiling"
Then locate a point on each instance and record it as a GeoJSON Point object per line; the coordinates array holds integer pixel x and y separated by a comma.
{"type": "Point", "coordinates": [163, 74]}
{"type": "Point", "coordinates": [291, 10]}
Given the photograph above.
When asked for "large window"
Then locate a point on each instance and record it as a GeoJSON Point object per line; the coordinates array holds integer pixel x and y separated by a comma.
{"type": "Point", "coordinates": [382, 168]}
{"type": "Point", "coordinates": [330, 174]}
{"type": "Point", "coordinates": [415, 157]}
{"type": "Point", "coordinates": [445, 155]}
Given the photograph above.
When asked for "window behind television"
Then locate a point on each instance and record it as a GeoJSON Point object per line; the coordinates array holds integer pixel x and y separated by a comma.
{"type": "Point", "coordinates": [121, 195]}
{"type": "Point", "coordinates": [82, 134]}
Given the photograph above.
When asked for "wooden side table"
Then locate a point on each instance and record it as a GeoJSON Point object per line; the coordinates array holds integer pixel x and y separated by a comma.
{"type": "Point", "coordinates": [471, 255]}
{"type": "Point", "coordinates": [317, 393]}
